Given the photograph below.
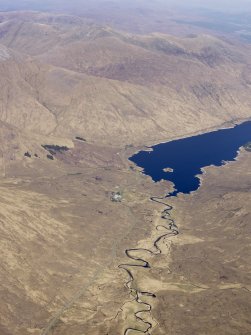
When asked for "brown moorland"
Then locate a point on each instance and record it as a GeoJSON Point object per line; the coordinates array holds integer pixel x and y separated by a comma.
{"type": "Point", "coordinates": [62, 238]}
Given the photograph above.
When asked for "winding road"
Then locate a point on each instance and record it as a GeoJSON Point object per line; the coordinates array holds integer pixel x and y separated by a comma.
{"type": "Point", "coordinates": [172, 230]}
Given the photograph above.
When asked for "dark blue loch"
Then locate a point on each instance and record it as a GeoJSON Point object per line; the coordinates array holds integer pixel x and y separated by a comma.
{"type": "Point", "coordinates": [187, 156]}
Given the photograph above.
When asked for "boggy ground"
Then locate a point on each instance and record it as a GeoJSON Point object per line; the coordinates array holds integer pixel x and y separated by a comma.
{"type": "Point", "coordinates": [201, 278]}
{"type": "Point", "coordinates": [209, 275]}
{"type": "Point", "coordinates": [63, 241]}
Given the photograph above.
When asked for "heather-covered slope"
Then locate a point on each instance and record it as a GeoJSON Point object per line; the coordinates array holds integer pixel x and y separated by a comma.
{"type": "Point", "coordinates": [72, 77]}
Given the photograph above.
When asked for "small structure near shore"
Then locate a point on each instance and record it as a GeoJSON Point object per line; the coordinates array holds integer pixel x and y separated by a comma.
{"type": "Point", "coordinates": [116, 196]}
